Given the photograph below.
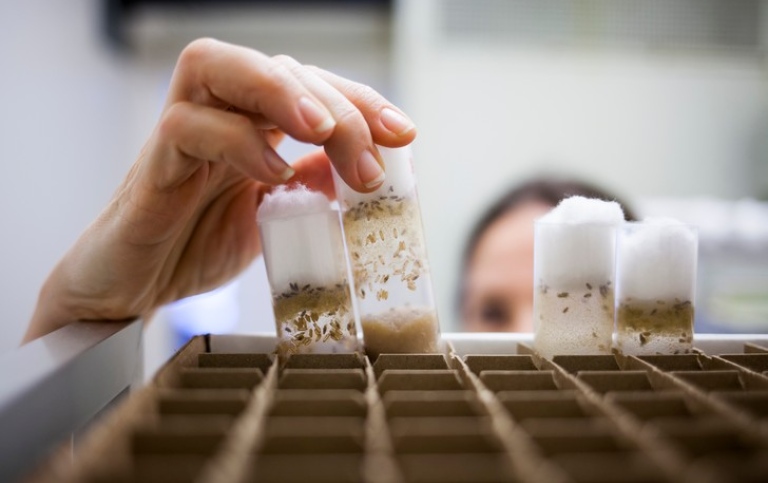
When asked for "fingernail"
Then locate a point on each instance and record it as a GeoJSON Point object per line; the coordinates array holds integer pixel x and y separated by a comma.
{"type": "Point", "coordinates": [396, 122]}
{"type": "Point", "coordinates": [369, 170]}
{"type": "Point", "coordinates": [277, 165]}
{"type": "Point", "coordinates": [316, 116]}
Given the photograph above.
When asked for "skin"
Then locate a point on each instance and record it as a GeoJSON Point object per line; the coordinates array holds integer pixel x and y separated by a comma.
{"type": "Point", "coordinates": [183, 220]}
{"type": "Point", "coordinates": [498, 295]}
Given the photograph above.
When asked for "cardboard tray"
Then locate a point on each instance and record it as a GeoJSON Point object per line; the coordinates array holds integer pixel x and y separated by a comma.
{"type": "Point", "coordinates": [225, 409]}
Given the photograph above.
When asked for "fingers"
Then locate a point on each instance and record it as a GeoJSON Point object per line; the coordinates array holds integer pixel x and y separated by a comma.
{"type": "Point", "coordinates": [389, 125]}
{"type": "Point", "coordinates": [351, 146]}
{"type": "Point", "coordinates": [219, 75]}
{"type": "Point", "coordinates": [191, 133]}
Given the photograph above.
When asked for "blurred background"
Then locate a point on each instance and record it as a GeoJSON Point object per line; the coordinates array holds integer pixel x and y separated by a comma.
{"type": "Point", "coordinates": [662, 101]}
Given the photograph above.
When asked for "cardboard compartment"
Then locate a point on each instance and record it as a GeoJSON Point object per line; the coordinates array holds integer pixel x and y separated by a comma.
{"type": "Point", "coordinates": [754, 362]}
{"type": "Point", "coordinates": [400, 404]}
{"type": "Point", "coordinates": [322, 379]}
{"type": "Point", "coordinates": [614, 467]}
{"type": "Point", "coordinates": [752, 348]}
{"type": "Point", "coordinates": [422, 362]}
{"type": "Point", "coordinates": [181, 435]}
{"type": "Point", "coordinates": [157, 469]}
{"type": "Point", "coordinates": [576, 363]}
{"type": "Point", "coordinates": [202, 402]}
{"type": "Point", "coordinates": [294, 468]}
{"type": "Point", "coordinates": [325, 361]}
{"type": "Point", "coordinates": [730, 468]}
{"type": "Point", "coordinates": [241, 361]}
{"type": "Point", "coordinates": [334, 435]}
{"type": "Point", "coordinates": [419, 380]}
{"type": "Point", "coordinates": [455, 468]}
{"type": "Point", "coordinates": [318, 402]}
{"type": "Point", "coordinates": [219, 378]}
{"type": "Point", "coordinates": [610, 381]}
{"type": "Point", "coordinates": [524, 405]}
{"type": "Point", "coordinates": [574, 435]}
{"type": "Point", "coordinates": [711, 435]}
{"type": "Point", "coordinates": [753, 402]}
{"type": "Point", "coordinates": [478, 363]}
{"type": "Point", "coordinates": [712, 380]}
{"type": "Point", "coordinates": [653, 405]}
{"type": "Point", "coordinates": [443, 435]}
{"type": "Point", "coordinates": [519, 380]}
{"type": "Point", "coordinates": [681, 362]}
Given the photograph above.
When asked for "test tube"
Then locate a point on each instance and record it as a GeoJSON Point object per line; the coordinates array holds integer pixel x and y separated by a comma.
{"type": "Point", "coordinates": [656, 283]}
{"type": "Point", "coordinates": [307, 271]}
{"type": "Point", "coordinates": [388, 258]}
{"type": "Point", "coordinates": [573, 298]}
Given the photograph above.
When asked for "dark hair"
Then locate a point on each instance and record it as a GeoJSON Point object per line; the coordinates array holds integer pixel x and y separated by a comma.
{"type": "Point", "coordinates": [549, 191]}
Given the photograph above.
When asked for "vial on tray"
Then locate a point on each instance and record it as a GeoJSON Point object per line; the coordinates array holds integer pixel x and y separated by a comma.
{"type": "Point", "coordinates": [656, 282]}
{"type": "Point", "coordinates": [573, 266]}
{"type": "Point", "coordinates": [307, 270]}
{"type": "Point", "coordinates": [388, 257]}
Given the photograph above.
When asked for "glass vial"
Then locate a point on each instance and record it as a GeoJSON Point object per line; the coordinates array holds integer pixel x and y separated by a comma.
{"type": "Point", "coordinates": [656, 283]}
{"type": "Point", "coordinates": [573, 297]}
{"type": "Point", "coordinates": [388, 258]}
{"type": "Point", "coordinates": [307, 271]}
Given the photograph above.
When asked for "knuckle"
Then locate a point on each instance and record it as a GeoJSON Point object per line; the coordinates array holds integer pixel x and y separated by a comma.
{"type": "Point", "coordinates": [172, 121]}
{"type": "Point", "coordinates": [364, 92]}
{"type": "Point", "coordinates": [285, 60]}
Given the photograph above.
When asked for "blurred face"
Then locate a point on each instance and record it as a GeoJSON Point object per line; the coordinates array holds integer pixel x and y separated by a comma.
{"type": "Point", "coordinates": [498, 294]}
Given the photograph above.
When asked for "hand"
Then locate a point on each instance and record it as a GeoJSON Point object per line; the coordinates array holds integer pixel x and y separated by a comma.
{"type": "Point", "coordinates": [184, 219]}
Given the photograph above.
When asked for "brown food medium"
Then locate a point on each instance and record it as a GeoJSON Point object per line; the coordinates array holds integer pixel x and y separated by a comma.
{"type": "Point", "coordinates": [385, 243]}
{"type": "Point", "coordinates": [649, 319]}
{"type": "Point", "coordinates": [401, 330]}
{"type": "Point", "coordinates": [307, 314]}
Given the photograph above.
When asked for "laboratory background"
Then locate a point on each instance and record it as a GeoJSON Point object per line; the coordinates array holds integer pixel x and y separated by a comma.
{"type": "Point", "coordinates": [662, 101]}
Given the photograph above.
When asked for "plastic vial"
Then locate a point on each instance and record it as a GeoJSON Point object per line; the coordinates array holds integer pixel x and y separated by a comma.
{"type": "Point", "coordinates": [573, 297]}
{"type": "Point", "coordinates": [388, 258]}
{"type": "Point", "coordinates": [307, 270]}
{"type": "Point", "coordinates": [656, 283]}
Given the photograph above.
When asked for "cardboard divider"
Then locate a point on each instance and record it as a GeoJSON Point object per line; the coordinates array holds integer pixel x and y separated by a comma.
{"type": "Point", "coordinates": [419, 380]}
{"type": "Point", "coordinates": [456, 467]}
{"type": "Point", "coordinates": [575, 363]}
{"type": "Point", "coordinates": [421, 362]}
{"type": "Point", "coordinates": [523, 405]}
{"type": "Point", "coordinates": [325, 361]}
{"type": "Point", "coordinates": [219, 378]}
{"type": "Point", "coordinates": [241, 361]}
{"type": "Point", "coordinates": [399, 404]}
{"type": "Point", "coordinates": [322, 379]}
{"type": "Point", "coordinates": [335, 435]}
{"type": "Point", "coordinates": [443, 435]}
{"type": "Point", "coordinates": [478, 363]}
{"type": "Point", "coordinates": [616, 467]}
{"type": "Point", "coordinates": [519, 380]}
{"type": "Point", "coordinates": [609, 381]}
{"type": "Point", "coordinates": [201, 402]}
{"type": "Point", "coordinates": [152, 468]}
{"type": "Point", "coordinates": [292, 468]}
{"type": "Point", "coordinates": [319, 402]}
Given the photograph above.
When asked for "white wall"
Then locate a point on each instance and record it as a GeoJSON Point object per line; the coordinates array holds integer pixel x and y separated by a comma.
{"type": "Point", "coordinates": [642, 123]}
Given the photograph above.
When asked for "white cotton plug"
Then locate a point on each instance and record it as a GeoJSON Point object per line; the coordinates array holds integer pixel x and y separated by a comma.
{"type": "Point", "coordinates": [575, 242]}
{"type": "Point", "coordinates": [301, 239]}
{"type": "Point", "coordinates": [399, 181]}
{"type": "Point", "coordinates": [657, 260]}
{"type": "Point", "coordinates": [285, 201]}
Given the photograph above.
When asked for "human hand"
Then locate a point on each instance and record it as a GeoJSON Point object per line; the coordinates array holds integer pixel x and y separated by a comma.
{"type": "Point", "coordinates": [183, 220]}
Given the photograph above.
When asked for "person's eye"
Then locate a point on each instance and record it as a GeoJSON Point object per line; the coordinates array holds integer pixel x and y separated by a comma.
{"type": "Point", "coordinates": [494, 313]}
